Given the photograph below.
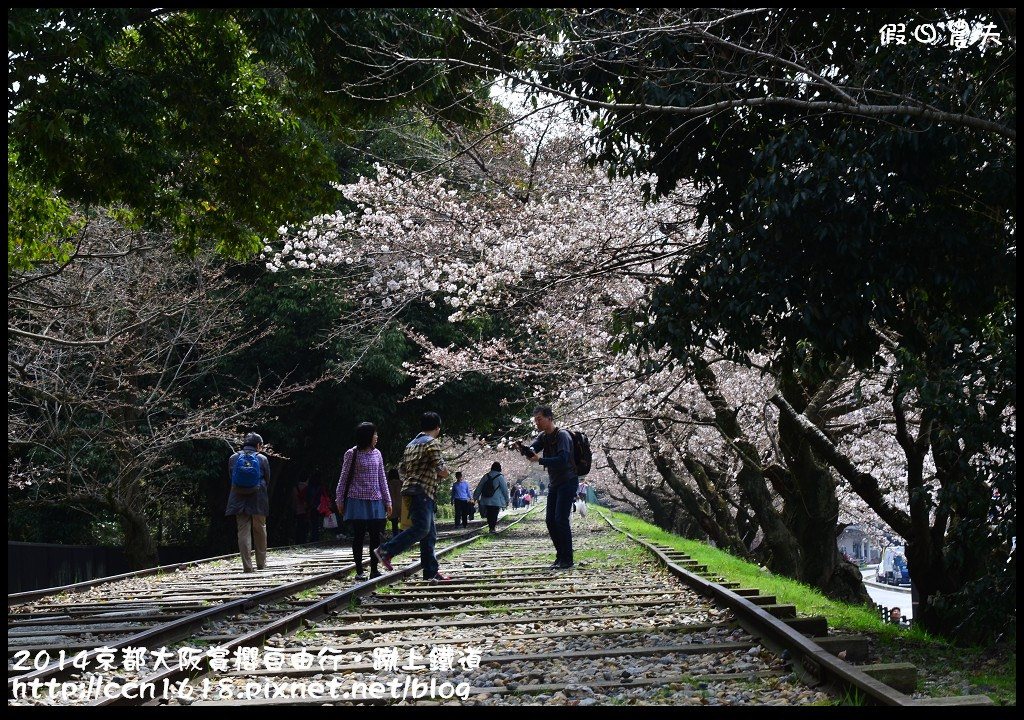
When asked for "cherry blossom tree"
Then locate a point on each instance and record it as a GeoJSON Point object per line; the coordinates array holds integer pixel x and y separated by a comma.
{"type": "Point", "coordinates": [116, 358]}
{"type": "Point", "coordinates": [525, 266]}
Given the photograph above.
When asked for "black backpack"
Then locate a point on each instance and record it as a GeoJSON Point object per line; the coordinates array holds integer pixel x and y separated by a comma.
{"type": "Point", "coordinates": [487, 486]}
{"type": "Point", "coordinates": [581, 454]}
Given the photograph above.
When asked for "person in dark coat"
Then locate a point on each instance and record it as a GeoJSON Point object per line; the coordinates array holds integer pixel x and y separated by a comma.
{"type": "Point", "coordinates": [251, 505]}
{"type": "Point", "coordinates": [305, 515]}
{"type": "Point", "coordinates": [492, 493]}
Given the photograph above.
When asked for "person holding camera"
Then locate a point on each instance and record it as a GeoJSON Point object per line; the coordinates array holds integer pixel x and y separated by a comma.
{"type": "Point", "coordinates": [559, 461]}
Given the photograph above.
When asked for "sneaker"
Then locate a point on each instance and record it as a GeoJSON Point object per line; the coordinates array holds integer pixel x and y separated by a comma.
{"type": "Point", "coordinates": [439, 578]}
{"type": "Point", "coordinates": [384, 558]}
{"type": "Point", "coordinates": [374, 574]}
{"type": "Point", "coordinates": [565, 565]}
{"type": "Point", "coordinates": [555, 565]}
{"type": "Point", "coordinates": [360, 577]}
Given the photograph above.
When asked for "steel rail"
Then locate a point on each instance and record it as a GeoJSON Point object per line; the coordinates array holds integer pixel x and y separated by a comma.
{"type": "Point", "coordinates": [290, 622]}
{"type": "Point", "coordinates": [179, 628]}
{"type": "Point", "coordinates": [812, 663]}
{"type": "Point", "coordinates": [30, 595]}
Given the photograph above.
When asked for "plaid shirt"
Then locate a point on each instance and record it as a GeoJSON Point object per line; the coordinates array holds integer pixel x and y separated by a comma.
{"type": "Point", "coordinates": [420, 464]}
{"type": "Point", "coordinates": [368, 479]}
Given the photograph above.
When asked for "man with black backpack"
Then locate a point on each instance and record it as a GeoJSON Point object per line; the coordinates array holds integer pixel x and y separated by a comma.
{"type": "Point", "coordinates": [249, 500]}
{"type": "Point", "coordinates": [560, 459]}
{"type": "Point", "coordinates": [492, 493]}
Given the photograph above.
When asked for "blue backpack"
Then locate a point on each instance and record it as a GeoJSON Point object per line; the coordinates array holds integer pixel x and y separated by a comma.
{"type": "Point", "coordinates": [247, 472]}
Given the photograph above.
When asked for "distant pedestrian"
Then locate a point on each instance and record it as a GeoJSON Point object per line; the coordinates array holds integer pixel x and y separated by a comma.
{"type": "Point", "coordinates": [517, 496]}
{"type": "Point", "coordinates": [249, 500]}
{"type": "Point", "coordinates": [422, 469]}
{"type": "Point", "coordinates": [492, 492]}
{"type": "Point", "coordinates": [362, 496]}
{"type": "Point", "coordinates": [304, 514]}
{"type": "Point", "coordinates": [580, 507]}
{"type": "Point", "coordinates": [462, 499]}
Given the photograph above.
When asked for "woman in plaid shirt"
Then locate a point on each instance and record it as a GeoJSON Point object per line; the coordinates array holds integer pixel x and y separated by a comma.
{"type": "Point", "coordinates": [362, 496]}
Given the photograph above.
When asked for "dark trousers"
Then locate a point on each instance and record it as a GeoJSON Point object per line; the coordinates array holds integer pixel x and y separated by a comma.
{"type": "Point", "coordinates": [302, 531]}
{"type": "Point", "coordinates": [492, 515]}
{"type": "Point", "coordinates": [560, 500]}
{"type": "Point", "coordinates": [359, 530]}
{"type": "Point", "coordinates": [462, 512]}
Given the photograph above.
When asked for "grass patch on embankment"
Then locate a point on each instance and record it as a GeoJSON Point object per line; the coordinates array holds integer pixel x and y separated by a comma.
{"type": "Point", "coordinates": [946, 670]}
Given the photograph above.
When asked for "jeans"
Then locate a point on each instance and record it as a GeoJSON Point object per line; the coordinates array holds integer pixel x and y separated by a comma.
{"type": "Point", "coordinates": [560, 500]}
{"type": "Point", "coordinates": [421, 513]}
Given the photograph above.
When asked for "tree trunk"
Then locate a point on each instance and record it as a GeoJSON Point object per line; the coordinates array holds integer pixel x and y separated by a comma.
{"type": "Point", "coordinates": [780, 548]}
{"type": "Point", "coordinates": [220, 531]}
{"type": "Point", "coordinates": [668, 515]}
{"type": "Point", "coordinates": [139, 544]}
{"type": "Point", "coordinates": [812, 514]}
{"type": "Point", "coordinates": [945, 557]}
{"type": "Point", "coordinates": [719, 509]}
{"type": "Point", "coordinates": [696, 506]}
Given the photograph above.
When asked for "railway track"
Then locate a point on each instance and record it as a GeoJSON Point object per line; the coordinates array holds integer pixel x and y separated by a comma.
{"type": "Point", "coordinates": [53, 634]}
{"type": "Point", "coordinates": [629, 624]}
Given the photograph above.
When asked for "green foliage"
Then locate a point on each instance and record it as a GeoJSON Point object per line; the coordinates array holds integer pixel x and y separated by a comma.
{"type": "Point", "coordinates": [217, 124]}
{"type": "Point", "coordinates": [808, 600]}
{"type": "Point", "coordinates": [305, 339]}
{"type": "Point", "coordinates": [1001, 678]}
{"type": "Point", "coordinates": [821, 227]}
{"type": "Point", "coordinates": [27, 522]}
{"type": "Point", "coordinates": [39, 223]}
{"type": "Point", "coordinates": [167, 112]}
{"type": "Point", "coordinates": [825, 234]}
{"type": "Point", "coordinates": [915, 645]}
{"type": "Point", "coordinates": [852, 698]}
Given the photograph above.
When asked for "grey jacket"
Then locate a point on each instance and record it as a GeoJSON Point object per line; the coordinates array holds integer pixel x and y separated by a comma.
{"type": "Point", "coordinates": [500, 496]}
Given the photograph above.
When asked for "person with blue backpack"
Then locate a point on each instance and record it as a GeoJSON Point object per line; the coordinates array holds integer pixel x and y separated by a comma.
{"type": "Point", "coordinates": [249, 500]}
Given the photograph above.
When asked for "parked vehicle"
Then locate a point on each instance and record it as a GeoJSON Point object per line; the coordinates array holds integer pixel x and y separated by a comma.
{"type": "Point", "coordinates": [892, 568]}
